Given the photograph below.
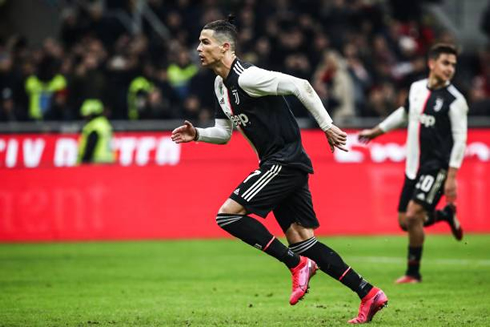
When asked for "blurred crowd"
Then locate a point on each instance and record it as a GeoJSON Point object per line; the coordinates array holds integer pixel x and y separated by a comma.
{"type": "Point", "coordinates": [360, 56]}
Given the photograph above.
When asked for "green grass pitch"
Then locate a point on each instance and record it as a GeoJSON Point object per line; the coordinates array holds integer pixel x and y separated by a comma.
{"type": "Point", "coordinates": [227, 283]}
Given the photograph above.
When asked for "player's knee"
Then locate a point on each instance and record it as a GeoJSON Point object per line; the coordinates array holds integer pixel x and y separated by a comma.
{"type": "Point", "coordinates": [402, 221]}
{"type": "Point", "coordinates": [231, 207]}
{"type": "Point", "coordinates": [413, 219]}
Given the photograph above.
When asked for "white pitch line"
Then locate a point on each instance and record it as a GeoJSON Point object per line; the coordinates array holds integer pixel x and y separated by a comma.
{"type": "Point", "coordinates": [460, 262]}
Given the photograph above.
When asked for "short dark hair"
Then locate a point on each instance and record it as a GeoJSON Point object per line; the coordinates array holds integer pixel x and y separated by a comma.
{"type": "Point", "coordinates": [224, 29]}
{"type": "Point", "coordinates": [439, 48]}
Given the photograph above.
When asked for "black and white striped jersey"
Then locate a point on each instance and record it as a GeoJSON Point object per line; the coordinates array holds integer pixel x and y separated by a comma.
{"type": "Point", "coordinates": [437, 127]}
{"type": "Point", "coordinates": [249, 98]}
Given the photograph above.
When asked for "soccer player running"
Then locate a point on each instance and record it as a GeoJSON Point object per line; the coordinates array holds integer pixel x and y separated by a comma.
{"type": "Point", "coordinates": [436, 113]}
{"type": "Point", "coordinates": [252, 99]}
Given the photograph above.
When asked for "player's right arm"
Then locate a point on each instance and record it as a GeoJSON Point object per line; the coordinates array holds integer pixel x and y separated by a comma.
{"type": "Point", "coordinates": [220, 133]}
{"type": "Point", "coordinates": [397, 119]}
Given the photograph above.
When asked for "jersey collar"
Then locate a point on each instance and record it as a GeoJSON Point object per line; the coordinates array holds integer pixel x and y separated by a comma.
{"type": "Point", "coordinates": [231, 70]}
{"type": "Point", "coordinates": [441, 88]}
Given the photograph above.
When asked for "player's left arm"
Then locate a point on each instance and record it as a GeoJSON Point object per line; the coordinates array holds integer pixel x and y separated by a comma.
{"type": "Point", "coordinates": [458, 112]}
{"type": "Point", "coordinates": [259, 82]}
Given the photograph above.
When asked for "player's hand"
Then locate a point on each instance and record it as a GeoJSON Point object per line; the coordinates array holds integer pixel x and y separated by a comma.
{"type": "Point", "coordinates": [450, 190]}
{"type": "Point", "coordinates": [365, 136]}
{"type": "Point", "coordinates": [183, 134]}
{"type": "Point", "coordinates": [337, 138]}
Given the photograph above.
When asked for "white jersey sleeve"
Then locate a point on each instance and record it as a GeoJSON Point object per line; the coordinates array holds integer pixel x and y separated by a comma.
{"type": "Point", "coordinates": [258, 82]}
{"type": "Point", "coordinates": [398, 118]}
{"type": "Point", "coordinates": [220, 133]}
{"type": "Point", "coordinates": [459, 127]}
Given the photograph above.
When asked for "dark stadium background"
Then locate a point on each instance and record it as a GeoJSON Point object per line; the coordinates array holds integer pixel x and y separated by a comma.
{"type": "Point", "coordinates": [359, 55]}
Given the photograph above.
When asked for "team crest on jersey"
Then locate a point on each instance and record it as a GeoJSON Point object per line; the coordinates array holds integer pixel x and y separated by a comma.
{"type": "Point", "coordinates": [439, 104]}
{"type": "Point", "coordinates": [235, 94]}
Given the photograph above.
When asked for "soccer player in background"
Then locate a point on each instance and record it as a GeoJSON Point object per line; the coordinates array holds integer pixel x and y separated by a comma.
{"type": "Point", "coordinates": [252, 99]}
{"type": "Point", "coordinates": [436, 113]}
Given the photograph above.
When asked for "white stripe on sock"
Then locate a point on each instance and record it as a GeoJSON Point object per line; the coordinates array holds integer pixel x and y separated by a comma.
{"type": "Point", "coordinates": [300, 248]}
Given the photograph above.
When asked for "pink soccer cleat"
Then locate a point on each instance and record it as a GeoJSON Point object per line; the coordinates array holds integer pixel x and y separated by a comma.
{"type": "Point", "coordinates": [374, 301]}
{"type": "Point", "coordinates": [301, 275]}
{"type": "Point", "coordinates": [407, 279]}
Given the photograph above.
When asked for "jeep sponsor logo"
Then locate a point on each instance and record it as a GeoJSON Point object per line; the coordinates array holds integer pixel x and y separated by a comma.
{"type": "Point", "coordinates": [239, 120]}
{"type": "Point", "coordinates": [427, 120]}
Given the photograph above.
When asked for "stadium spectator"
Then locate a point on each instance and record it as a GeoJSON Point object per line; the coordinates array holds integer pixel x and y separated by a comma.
{"type": "Point", "coordinates": [485, 21]}
{"type": "Point", "coordinates": [181, 72]}
{"type": "Point", "coordinates": [437, 125]}
{"type": "Point", "coordinates": [47, 91]}
{"type": "Point", "coordinates": [251, 99]}
{"type": "Point", "coordinates": [378, 47]}
{"type": "Point", "coordinates": [381, 101]}
{"type": "Point", "coordinates": [9, 85]}
{"type": "Point", "coordinates": [138, 94]}
{"type": "Point", "coordinates": [333, 72]}
{"type": "Point", "coordinates": [193, 110]}
{"type": "Point", "coordinates": [480, 86]}
{"type": "Point", "coordinates": [360, 76]}
{"type": "Point", "coordinates": [95, 143]}
{"type": "Point", "coordinates": [88, 80]}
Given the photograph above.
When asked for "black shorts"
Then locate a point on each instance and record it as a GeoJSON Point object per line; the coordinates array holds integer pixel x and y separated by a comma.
{"type": "Point", "coordinates": [282, 190]}
{"type": "Point", "coordinates": [426, 189]}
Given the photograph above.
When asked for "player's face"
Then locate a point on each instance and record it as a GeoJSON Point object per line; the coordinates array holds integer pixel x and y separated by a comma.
{"type": "Point", "coordinates": [210, 50]}
{"type": "Point", "coordinates": [444, 67]}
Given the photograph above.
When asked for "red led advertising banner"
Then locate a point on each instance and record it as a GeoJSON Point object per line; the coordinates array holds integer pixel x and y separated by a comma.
{"type": "Point", "coordinates": [161, 190]}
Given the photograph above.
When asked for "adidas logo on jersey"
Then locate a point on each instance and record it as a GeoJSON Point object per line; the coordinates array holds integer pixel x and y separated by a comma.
{"type": "Point", "coordinates": [222, 101]}
{"type": "Point", "coordinates": [421, 196]}
{"type": "Point", "coordinates": [237, 191]}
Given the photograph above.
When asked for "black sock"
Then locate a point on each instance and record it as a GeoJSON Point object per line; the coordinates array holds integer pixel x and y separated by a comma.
{"type": "Point", "coordinates": [332, 264]}
{"type": "Point", "coordinates": [254, 233]}
{"type": "Point", "coordinates": [435, 217]}
{"type": "Point", "coordinates": [413, 264]}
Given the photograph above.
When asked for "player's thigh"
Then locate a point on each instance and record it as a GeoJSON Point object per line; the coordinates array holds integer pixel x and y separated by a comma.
{"type": "Point", "coordinates": [265, 188]}
{"type": "Point", "coordinates": [406, 195]}
{"type": "Point", "coordinates": [415, 213]}
{"type": "Point", "coordinates": [297, 208]}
